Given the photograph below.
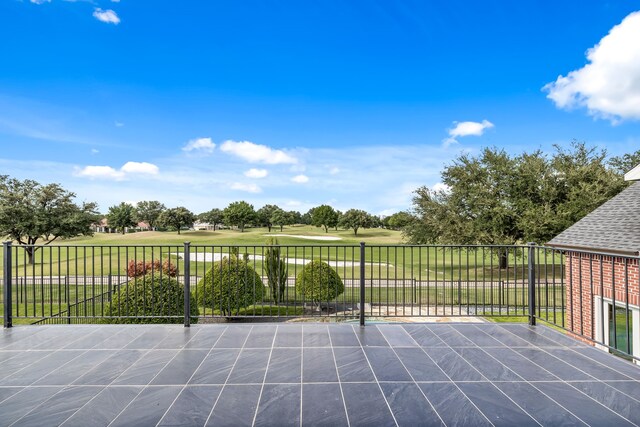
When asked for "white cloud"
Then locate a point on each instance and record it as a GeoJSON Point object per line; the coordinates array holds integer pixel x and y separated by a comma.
{"type": "Point", "coordinates": [334, 170]}
{"type": "Point", "coordinates": [107, 172]}
{"type": "Point", "coordinates": [249, 188]}
{"type": "Point", "coordinates": [300, 179]}
{"type": "Point", "coordinates": [140, 168]}
{"type": "Point", "coordinates": [256, 153]}
{"type": "Point", "coordinates": [119, 124]}
{"type": "Point", "coordinates": [40, 1]}
{"type": "Point", "coordinates": [609, 85]}
{"type": "Point", "coordinates": [109, 16]}
{"type": "Point", "coordinates": [440, 187]}
{"type": "Point", "coordinates": [101, 172]}
{"type": "Point", "coordinates": [256, 173]}
{"type": "Point", "coordinates": [466, 129]}
{"type": "Point", "coordinates": [203, 145]}
{"type": "Point", "coordinates": [94, 151]}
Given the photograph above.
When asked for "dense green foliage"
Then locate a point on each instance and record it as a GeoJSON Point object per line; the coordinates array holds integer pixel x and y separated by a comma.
{"type": "Point", "coordinates": [159, 296]}
{"type": "Point", "coordinates": [324, 216]}
{"type": "Point", "coordinates": [318, 282]}
{"type": "Point", "coordinates": [177, 218]}
{"type": "Point", "coordinates": [239, 214]}
{"type": "Point", "coordinates": [121, 216]}
{"type": "Point", "coordinates": [355, 219]}
{"type": "Point", "coordinates": [264, 214]}
{"type": "Point", "coordinates": [149, 212]}
{"type": "Point", "coordinates": [276, 268]}
{"type": "Point", "coordinates": [496, 198]}
{"type": "Point", "coordinates": [30, 211]}
{"type": "Point", "coordinates": [398, 220]}
{"type": "Point", "coordinates": [230, 285]}
{"type": "Point", "coordinates": [213, 217]}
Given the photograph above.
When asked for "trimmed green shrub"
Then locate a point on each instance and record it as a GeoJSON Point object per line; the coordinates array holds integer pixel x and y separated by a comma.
{"type": "Point", "coordinates": [318, 282]}
{"type": "Point", "coordinates": [230, 285]}
{"type": "Point", "coordinates": [150, 295]}
{"type": "Point", "coordinates": [275, 265]}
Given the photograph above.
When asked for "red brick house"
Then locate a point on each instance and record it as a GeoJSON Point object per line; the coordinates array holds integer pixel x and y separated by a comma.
{"type": "Point", "coordinates": [602, 251]}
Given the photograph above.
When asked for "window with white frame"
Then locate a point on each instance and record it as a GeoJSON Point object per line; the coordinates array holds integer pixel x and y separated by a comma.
{"type": "Point", "coordinates": [617, 326]}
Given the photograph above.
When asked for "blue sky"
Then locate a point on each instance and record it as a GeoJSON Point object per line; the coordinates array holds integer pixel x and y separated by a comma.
{"type": "Point", "coordinates": [350, 103]}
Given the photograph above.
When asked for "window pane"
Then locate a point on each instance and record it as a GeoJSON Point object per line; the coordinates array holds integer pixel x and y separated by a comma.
{"type": "Point", "coordinates": [622, 336]}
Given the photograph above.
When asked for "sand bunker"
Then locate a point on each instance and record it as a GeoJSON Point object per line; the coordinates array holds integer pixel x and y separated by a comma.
{"type": "Point", "coordinates": [298, 236]}
{"type": "Point", "coordinates": [211, 257]}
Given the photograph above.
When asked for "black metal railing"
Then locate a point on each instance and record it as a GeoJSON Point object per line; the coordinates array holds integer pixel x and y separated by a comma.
{"type": "Point", "coordinates": [583, 293]}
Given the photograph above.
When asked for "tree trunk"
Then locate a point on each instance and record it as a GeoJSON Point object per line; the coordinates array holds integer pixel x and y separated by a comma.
{"type": "Point", "coordinates": [326, 229]}
{"type": "Point", "coordinates": [281, 228]}
{"type": "Point", "coordinates": [242, 228]}
{"type": "Point", "coordinates": [269, 226]}
{"type": "Point", "coordinates": [178, 229]}
{"type": "Point", "coordinates": [355, 231]}
{"type": "Point", "coordinates": [31, 251]}
{"type": "Point", "coordinates": [503, 257]}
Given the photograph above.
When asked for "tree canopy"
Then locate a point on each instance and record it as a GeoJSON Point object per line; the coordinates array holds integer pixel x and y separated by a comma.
{"type": "Point", "coordinates": [122, 216]}
{"type": "Point", "coordinates": [281, 218]}
{"type": "Point", "coordinates": [214, 217]}
{"type": "Point", "coordinates": [264, 214]}
{"type": "Point", "coordinates": [177, 218]}
{"type": "Point", "coordinates": [496, 198]}
{"type": "Point", "coordinates": [324, 216]}
{"type": "Point", "coordinates": [355, 219]}
{"type": "Point", "coordinates": [398, 220]}
{"type": "Point", "coordinates": [30, 211]}
{"type": "Point", "coordinates": [239, 214]}
{"type": "Point", "coordinates": [149, 211]}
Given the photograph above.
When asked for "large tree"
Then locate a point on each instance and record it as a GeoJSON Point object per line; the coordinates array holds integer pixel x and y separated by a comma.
{"type": "Point", "coordinates": [281, 218]}
{"type": "Point", "coordinates": [122, 216]}
{"type": "Point", "coordinates": [498, 199]}
{"type": "Point", "coordinates": [398, 220]}
{"type": "Point", "coordinates": [177, 218]}
{"type": "Point", "coordinates": [30, 211]}
{"type": "Point", "coordinates": [239, 214]}
{"type": "Point", "coordinates": [356, 219]}
{"type": "Point", "coordinates": [324, 216]}
{"type": "Point", "coordinates": [149, 211]}
{"type": "Point", "coordinates": [264, 214]}
{"type": "Point", "coordinates": [214, 216]}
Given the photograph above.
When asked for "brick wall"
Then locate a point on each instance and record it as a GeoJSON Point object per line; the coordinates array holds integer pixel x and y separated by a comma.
{"type": "Point", "coordinates": [588, 275]}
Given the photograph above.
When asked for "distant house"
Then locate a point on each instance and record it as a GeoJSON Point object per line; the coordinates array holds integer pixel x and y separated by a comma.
{"type": "Point", "coordinates": [103, 227]}
{"type": "Point", "coordinates": [601, 271]}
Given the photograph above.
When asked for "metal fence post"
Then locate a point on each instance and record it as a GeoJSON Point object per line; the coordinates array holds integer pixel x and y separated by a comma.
{"type": "Point", "coordinates": [187, 284]}
{"type": "Point", "coordinates": [8, 306]}
{"type": "Point", "coordinates": [362, 272]}
{"type": "Point", "coordinates": [532, 283]}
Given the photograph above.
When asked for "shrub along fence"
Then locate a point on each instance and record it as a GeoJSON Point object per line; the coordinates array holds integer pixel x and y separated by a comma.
{"type": "Point", "coordinates": [189, 283]}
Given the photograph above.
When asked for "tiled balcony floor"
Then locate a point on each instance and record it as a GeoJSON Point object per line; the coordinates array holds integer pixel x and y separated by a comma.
{"type": "Point", "coordinates": [310, 374]}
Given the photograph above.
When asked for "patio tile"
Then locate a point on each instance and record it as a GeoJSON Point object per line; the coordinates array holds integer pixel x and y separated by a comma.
{"type": "Point", "coordinates": [397, 337]}
{"type": "Point", "coordinates": [630, 388]}
{"type": "Point", "coordinates": [420, 365]}
{"type": "Point", "coordinates": [145, 368]}
{"type": "Point", "coordinates": [233, 337]}
{"type": "Point", "coordinates": [147, 408]}
{"type": "Point", "coordinates": [206, 339]}
{"type": "Point", "coordinates": [505, 337]}
{"type": "Point", "coordinates": [557, 367]}
{"type": "Point", "coordinates": [104, 407]}
{"type": "Point", "coordinates": [25, 401]}
{"type": "Point", "coordinates": [70, 372]}
{"type": "Point", "coordinates": [454, 365]}
{"type": "Point", "coordinates": [181, 368]}
{"type": "Point", "coordinates": [7, 392]}
{"type": "Point", "coordinates": [279, 406]}
{"type": "Point", "coordinates": [107, 371]}
{"type": "Point", "coordinates": [520, 365]}
{"type": "Point", "coordinates": [409, 406]}
{"type": "Point", "coordinates": [386, 365]}
{"type": "Point", "coordinates": [315, 336]}
{"type": "Point", "coordinates": [450, 336]}
{"type": "Point", "coordinates": [619, 402]}
{"type": "Point", "coordinates": [192, 407]}
{"type": "Point", "coordinates": [318, 365]}
{"type": "Point", "coordinates": [261, 336]}
{"type": "Point", "coordinates": [236, 406]}
{"type": "Point", "coordinates": [285, 366]}
{"type": "Point", "coordinates": [322, 405]}
{"type": "Point", "coordinates": [453, 407]}
{"type": "Point", "coordinates": [59, 407]}
{"type": "Point", "coordinates": [250, 367]}
{"type": "Point", "coordinates": [424, 336]}
{"type": "Point", "coordinates": [343, 336]}
{"type": "Point", "coordinates": [495, 405]}
{"type": "Point", "coordinates": [586, 364]}
{"type": "Point", "coordinates": [352, 365]}
{"type": "Point", "coordinates": [370, 337]}
{"type": "Point", "coordinates": [288, 336]}
{"type": "Point", "coordinates": [216, 367]}
{"type": "Point", "coordinates": [42, 367]}
{"type": "Point", "coordinates": [15, 364]}
{"type": "Point", "coordinates": [492, 369]}
{"type": "Point", "coordinates": [366, 405]}
{"type": "Point", "coordinates": [587, 410]}
{"type": "Point", "coordinates": [477, 336]}
{"type": "Point", "coordinates": [539, 406]}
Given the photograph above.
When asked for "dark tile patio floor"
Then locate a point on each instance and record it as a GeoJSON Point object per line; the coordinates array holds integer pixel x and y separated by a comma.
{"type": "Point", "coordinates": [310, 374]}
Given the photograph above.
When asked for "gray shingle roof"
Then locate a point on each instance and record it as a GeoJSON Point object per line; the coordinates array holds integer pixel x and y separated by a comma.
{"type": "Point", "coordinates": [614, 226]}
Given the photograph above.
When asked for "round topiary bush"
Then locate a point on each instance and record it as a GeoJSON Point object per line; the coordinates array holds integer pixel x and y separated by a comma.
{"type": "Point", "coordinates": [230, 285]}
{"type": "Point", "coordinates": [318, 282]}
{"type": "Point", "coordinates": [150, 295]}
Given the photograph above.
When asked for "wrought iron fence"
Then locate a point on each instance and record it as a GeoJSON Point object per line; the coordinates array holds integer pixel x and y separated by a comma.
{"type": "Point", "coordinates": [588, 294]}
